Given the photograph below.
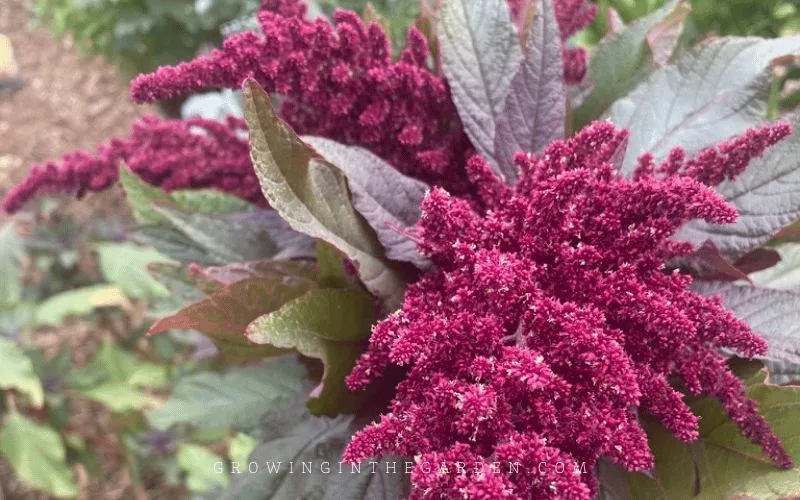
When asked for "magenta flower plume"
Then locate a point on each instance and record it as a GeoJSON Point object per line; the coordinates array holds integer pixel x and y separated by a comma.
{"type": "Point", "coordinates": [338, 82]}
{"type": "Point", "coordinates": [192, 154]}
{"type": "Point", "coordinates": [550, 323]}
{"type": "Point", "coordinates": [571, 16]}
{"type": "Point", "coordinates": [718, 163]}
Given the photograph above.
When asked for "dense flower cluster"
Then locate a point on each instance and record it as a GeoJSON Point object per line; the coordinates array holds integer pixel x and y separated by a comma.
{"type": "Point", "coordinates": [571, 16]}
{"type": "Point", "coordinates": [718, 163]}
{"type": "Point", "coordinates": [338, 81]}
{"type": "Point", "coordinates": [550, 322]}
{"type": "Point", "coordinates": [192, 154]}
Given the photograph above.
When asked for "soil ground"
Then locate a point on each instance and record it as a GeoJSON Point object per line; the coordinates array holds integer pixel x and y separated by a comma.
{"type": "Point", "coordinates": [67, 102]}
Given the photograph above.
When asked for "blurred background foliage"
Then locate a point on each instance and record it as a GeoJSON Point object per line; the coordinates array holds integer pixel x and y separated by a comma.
{"type": "Point", "coordinates": [764, 18]}
{"type": "Point", "coordinates": [140, 35]}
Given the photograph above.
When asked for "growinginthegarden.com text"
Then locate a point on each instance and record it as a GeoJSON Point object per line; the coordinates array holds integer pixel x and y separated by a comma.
{"type": "Point", "coordinates": [395, 467]}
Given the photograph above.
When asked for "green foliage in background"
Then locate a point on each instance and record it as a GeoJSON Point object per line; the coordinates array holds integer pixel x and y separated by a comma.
{"type": "Point", "coordinates": [140, 35]}
{"type": "Point", "coordinates": [762, 18]}
{"type": "Point", "coordinates": [65, 273]}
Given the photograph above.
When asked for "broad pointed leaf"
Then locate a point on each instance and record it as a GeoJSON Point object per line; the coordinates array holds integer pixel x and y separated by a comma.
{"type": "Point", "coordinates": [225, 314]}
{"type": "Point", "coordinates": [236, 399]}
{"type": "Point", "coordinates": [312, 196]}
{"type": "Point", "coordinates": [331, 325]}
{"type": "Point", "coordinates": [623, 60]}
{"type": "Point", "coordinates": [767, 197]}
{"type": "Point", "coordinates": [172, 243]}
{"type": "Point", "coordinates": [725, 464]}
{"type": "Point", "coordinates": [480, 52]}
{"type": "Point", "coordinates": [535, 110]}
{"type": "Point", "coordinates": [37, 454]}
{"type": "Point", "coordinates": [241, 236]}
{"type": "Point", "coordinates": [387, 199]}
{"type": "Point", "coordinates": [718, 90]}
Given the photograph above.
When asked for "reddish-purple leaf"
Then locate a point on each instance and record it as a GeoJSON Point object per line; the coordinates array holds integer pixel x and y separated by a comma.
{"type": "Point", "coordinates": [225, 314]}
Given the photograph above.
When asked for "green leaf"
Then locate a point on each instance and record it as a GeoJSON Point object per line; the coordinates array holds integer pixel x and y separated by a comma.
{"type": "Point", "coordinates": [331, 325]}
{"type": "Point", "coordinates": [207, 226]}
{"type": "Point", "coordinates": [332, 272]}
{"type": "Point", "coordinates": [117, 364]}
{"type": "Point", "coordinates": [111, 364]}
{"type": "Point", "coordinates": [225, 314]}
{"type": "Point", "coordinates": [312, 196]}
{"type": "Point", "coordinates": [12, 252]}
{"type": "Point", "coordinates": [140, 196]}
{"type": "Point", "coordinates": [727, 464]}
{"type": "Point", "coordinates": [387, 199]}
{"type": "Point", "coordinates": [79, 302]}
{"type": "Point", "coordinates": [534, 113]}
{"type": "Point", "coordinates": [718, 90]}
{"type": "Point", "coordinates": [125, 264]}
{"type": "Point", "coordinates": [149, 375]}
{"type": "Point", "coordinates": [210, 202]}
{"type": "Point", "coordinates": [16, 372]}
{"type": "Point", "coordinates": [480, 52]}
{"type": "Point", "coordinates": [172, 243]}
{"type": "Point", "coordinates": [293, 436]}
{"type": "Point", "coordinates": [38, 456]}
{"type": "Point", "coordinates": [240, 447]}
{"type": "Point", "coordinates": [767, 197]}
{"type": "Point", "coordinates": [623, 60]}
{"type": "Point", "coordinates": [120, 397]}
{"type": "Point", "coordinates": [237, 398]}
{"type": "Point", "coordinates": [238, 237]}
{"type": "Point", "coordinates": [773, 314]}
{"type": "Point", "coordinates": [202, 468]}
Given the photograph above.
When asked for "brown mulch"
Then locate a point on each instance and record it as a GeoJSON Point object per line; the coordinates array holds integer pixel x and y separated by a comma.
{"type": "Point", "coordinates": [67, 102]}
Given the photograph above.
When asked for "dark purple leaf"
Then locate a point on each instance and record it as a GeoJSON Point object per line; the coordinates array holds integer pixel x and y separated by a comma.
{"type": "Point", "coordinates": [535, 109]}
{"type": "Point", "coordinates": [387, 199]}
{"type": "Point", "coordinates": [708, 263]}
{"type": "Point", "coordinates": [757, 260]}
{"type": "Point", "coordinates": [480, 53]}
